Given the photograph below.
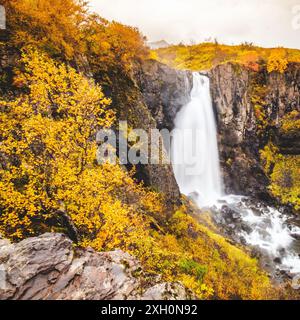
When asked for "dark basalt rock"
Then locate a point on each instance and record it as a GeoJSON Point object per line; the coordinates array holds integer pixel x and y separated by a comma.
{"type": "Point", "coordinates": [165, 90]}
{"type": "Point", "coordinates": [160, 92]}
{"type": "Point", "coordinates": [277, 260]}
{"type": "Point", "coordinates": [289, 143]}
{"type": "Point", "coordinates": [239, 141]}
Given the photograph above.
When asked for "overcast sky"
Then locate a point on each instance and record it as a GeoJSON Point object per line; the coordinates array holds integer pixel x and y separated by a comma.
{"type": "Point", "coordinates": [265, 22]}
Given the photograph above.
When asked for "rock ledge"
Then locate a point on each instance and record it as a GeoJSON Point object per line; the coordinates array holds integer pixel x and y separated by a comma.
{"type": "Point", "coordinates": [49, 267]}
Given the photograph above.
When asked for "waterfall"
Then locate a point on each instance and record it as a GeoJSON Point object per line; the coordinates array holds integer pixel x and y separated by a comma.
{"type": "Point", "coordinates": [195, 155]}
{"type": "Point", "coordinates": [195, 159]}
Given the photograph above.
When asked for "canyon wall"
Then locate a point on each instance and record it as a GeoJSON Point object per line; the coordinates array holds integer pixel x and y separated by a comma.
{"type": "Point", "coordinates": [235, 91]}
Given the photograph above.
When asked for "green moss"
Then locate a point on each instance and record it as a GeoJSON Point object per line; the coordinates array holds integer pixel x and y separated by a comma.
{"type": "Point", "coordinates": [193, 268]}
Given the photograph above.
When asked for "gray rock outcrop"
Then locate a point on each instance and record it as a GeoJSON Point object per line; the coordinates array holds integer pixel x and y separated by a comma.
{"type": "Point", "coordinates": [165, 90]}
{"type": "Point", "coordinates": [50, 267]}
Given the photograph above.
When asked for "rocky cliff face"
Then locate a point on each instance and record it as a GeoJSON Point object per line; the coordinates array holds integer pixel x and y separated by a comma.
{"type": "Point", "coordinates": [233, 89]}
{"type": "Point", "coordinates": [150, 99]}
{"type": "Point", "coordinates": [49, 267]}
{"type": "Point", "coordinates": [165, 91]}
{"type": "Point", "coordinates": [130, 106]}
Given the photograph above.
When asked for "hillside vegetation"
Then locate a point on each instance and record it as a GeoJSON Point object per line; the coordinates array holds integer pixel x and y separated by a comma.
{"type": "Point", "coordinates": [50, 109]}
{"type": "Point", "coordinates": [205, 56]}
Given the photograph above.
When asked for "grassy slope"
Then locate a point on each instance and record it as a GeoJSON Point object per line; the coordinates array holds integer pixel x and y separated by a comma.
{"type": "Point", "coordinates": [204, 56]}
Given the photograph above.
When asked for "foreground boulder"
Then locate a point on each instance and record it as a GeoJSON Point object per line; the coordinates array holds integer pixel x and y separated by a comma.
{"type": "Point", "coordinates": [49, 267]}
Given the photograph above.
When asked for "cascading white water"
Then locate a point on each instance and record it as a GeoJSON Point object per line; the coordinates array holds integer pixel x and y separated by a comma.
{"type": "Point", "coordinates": [195, 160]}
{"type": "Point", "coordinates": [270, 231]}
{"type": "Point", "coordinates": [195, 154]}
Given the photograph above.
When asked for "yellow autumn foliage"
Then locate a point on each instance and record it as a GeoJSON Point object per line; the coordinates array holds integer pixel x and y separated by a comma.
{"type": "Point", "coordinates": [48, 165]}
{"type": "Point", "coordinates": [205, 56]}
{"type": "Point", "coordinates": [45, 141]}
{"type": "Point", "coordinates": [277, 61]}
{"type": "Point", "coordinates": [48, 151]}
{"type": "Point", "coordinates": [66, 30]}
{"type": "Point", "coordinates": [291, 121]}
{"type": "Point", "coordinates": [51, 25]}
{"type": "Point", "coordinates": [283, 172]}
{"type": "Point", "coordinates": [48, 169]}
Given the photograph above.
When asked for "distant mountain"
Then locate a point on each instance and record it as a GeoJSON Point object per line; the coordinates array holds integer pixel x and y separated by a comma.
{"type": "Point", "coordinates": [158, 44]}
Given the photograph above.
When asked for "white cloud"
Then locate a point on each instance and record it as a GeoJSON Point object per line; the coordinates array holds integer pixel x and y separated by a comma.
{"type": "Point", "coordinates": [266, 23]}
